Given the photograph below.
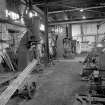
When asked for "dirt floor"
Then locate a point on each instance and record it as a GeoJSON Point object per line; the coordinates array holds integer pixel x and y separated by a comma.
{"type": "Point", "coordinates": [58, 86]}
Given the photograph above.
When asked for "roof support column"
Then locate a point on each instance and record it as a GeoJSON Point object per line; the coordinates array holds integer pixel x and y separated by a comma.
{"type": "Point", "coordinates": [82, 34]}
{"type": "Point", "coordinates": [70, 31]}
{"type": "Point", "coordinates": [46, 33]}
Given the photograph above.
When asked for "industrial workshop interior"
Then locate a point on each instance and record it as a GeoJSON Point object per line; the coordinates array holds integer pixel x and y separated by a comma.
{"type": "Point", "coordinates": [52, 52]}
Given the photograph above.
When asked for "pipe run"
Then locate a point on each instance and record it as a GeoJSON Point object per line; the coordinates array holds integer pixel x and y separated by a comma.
{"type": "Point", "coordinates": [76, 22]}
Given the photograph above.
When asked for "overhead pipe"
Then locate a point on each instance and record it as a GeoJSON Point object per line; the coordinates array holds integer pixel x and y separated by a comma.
{"type": "Point", "coordinates": [76, 9]}
{"type": "Point", "coordinates": [73, 8]}
{"type": "Point", "coordinates": [76, 22]}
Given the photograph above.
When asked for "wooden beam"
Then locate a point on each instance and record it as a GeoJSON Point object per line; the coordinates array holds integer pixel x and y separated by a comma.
{"type": "Point", "coordinates": [6, 95]}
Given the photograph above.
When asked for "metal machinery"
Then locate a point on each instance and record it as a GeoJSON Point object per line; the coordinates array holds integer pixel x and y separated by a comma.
{"type": "Point", "coordinates": [95, 94]}
{"type": "Point", "coordinates": [95, 58]}
{"type": "Point", "coordinates": [31, 37]}
{"type": "Point", "coordinates": [14, 63]}
{"type": "Point", "coordinates": [52, 39]}
{"type": "Point", "coordinates": [97, 83]}
{"type": "Point", "coordinates": [69, 45]}
{"type": "Point", "coordinates": [26, 52]}
{"type": "Point", "coordinates": [25, 60]}
{"type": "Point", "coordinates": [89, 65]}
{"type": "Point", "coordinates": [94, 71]}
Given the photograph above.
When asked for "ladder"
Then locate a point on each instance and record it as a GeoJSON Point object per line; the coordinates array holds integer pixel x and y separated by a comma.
{"type": "Point", "coordinates": [8, 61]}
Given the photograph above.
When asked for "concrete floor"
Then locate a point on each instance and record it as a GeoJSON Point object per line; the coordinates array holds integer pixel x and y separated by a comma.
{"type": "Point", "coordinates": [59, 85]}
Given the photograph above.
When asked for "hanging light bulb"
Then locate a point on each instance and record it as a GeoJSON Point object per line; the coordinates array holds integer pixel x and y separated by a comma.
{"type": "Point", "coordinates": [61, 29]}
{"type": "Point", "coordinates": [26, 11]}
{"type": "Point", "coordinates": [6, 12]}
{"type": "Point", "coordinates": [42, 27]}
{"type": "Point", "coordinates": [36, 14]}
{"type": "Point", "coordinates": [81, 10]}
{"type": "Point", "coordinates": [83, 17]}
{"type": "Point", "coordinates": [30, 14]}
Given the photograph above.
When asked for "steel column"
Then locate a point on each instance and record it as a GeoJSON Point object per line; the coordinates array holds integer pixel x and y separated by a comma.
{"type": "Point", "coordinates": [46, 33]}
{"type": "Point", "coordinates": [82, 33]}
{"type": "Point", "coordinates": [70, 30]}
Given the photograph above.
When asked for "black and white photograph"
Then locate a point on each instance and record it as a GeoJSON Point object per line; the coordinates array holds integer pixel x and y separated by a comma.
{"type": "Point", "coordinates": [52, 52]}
